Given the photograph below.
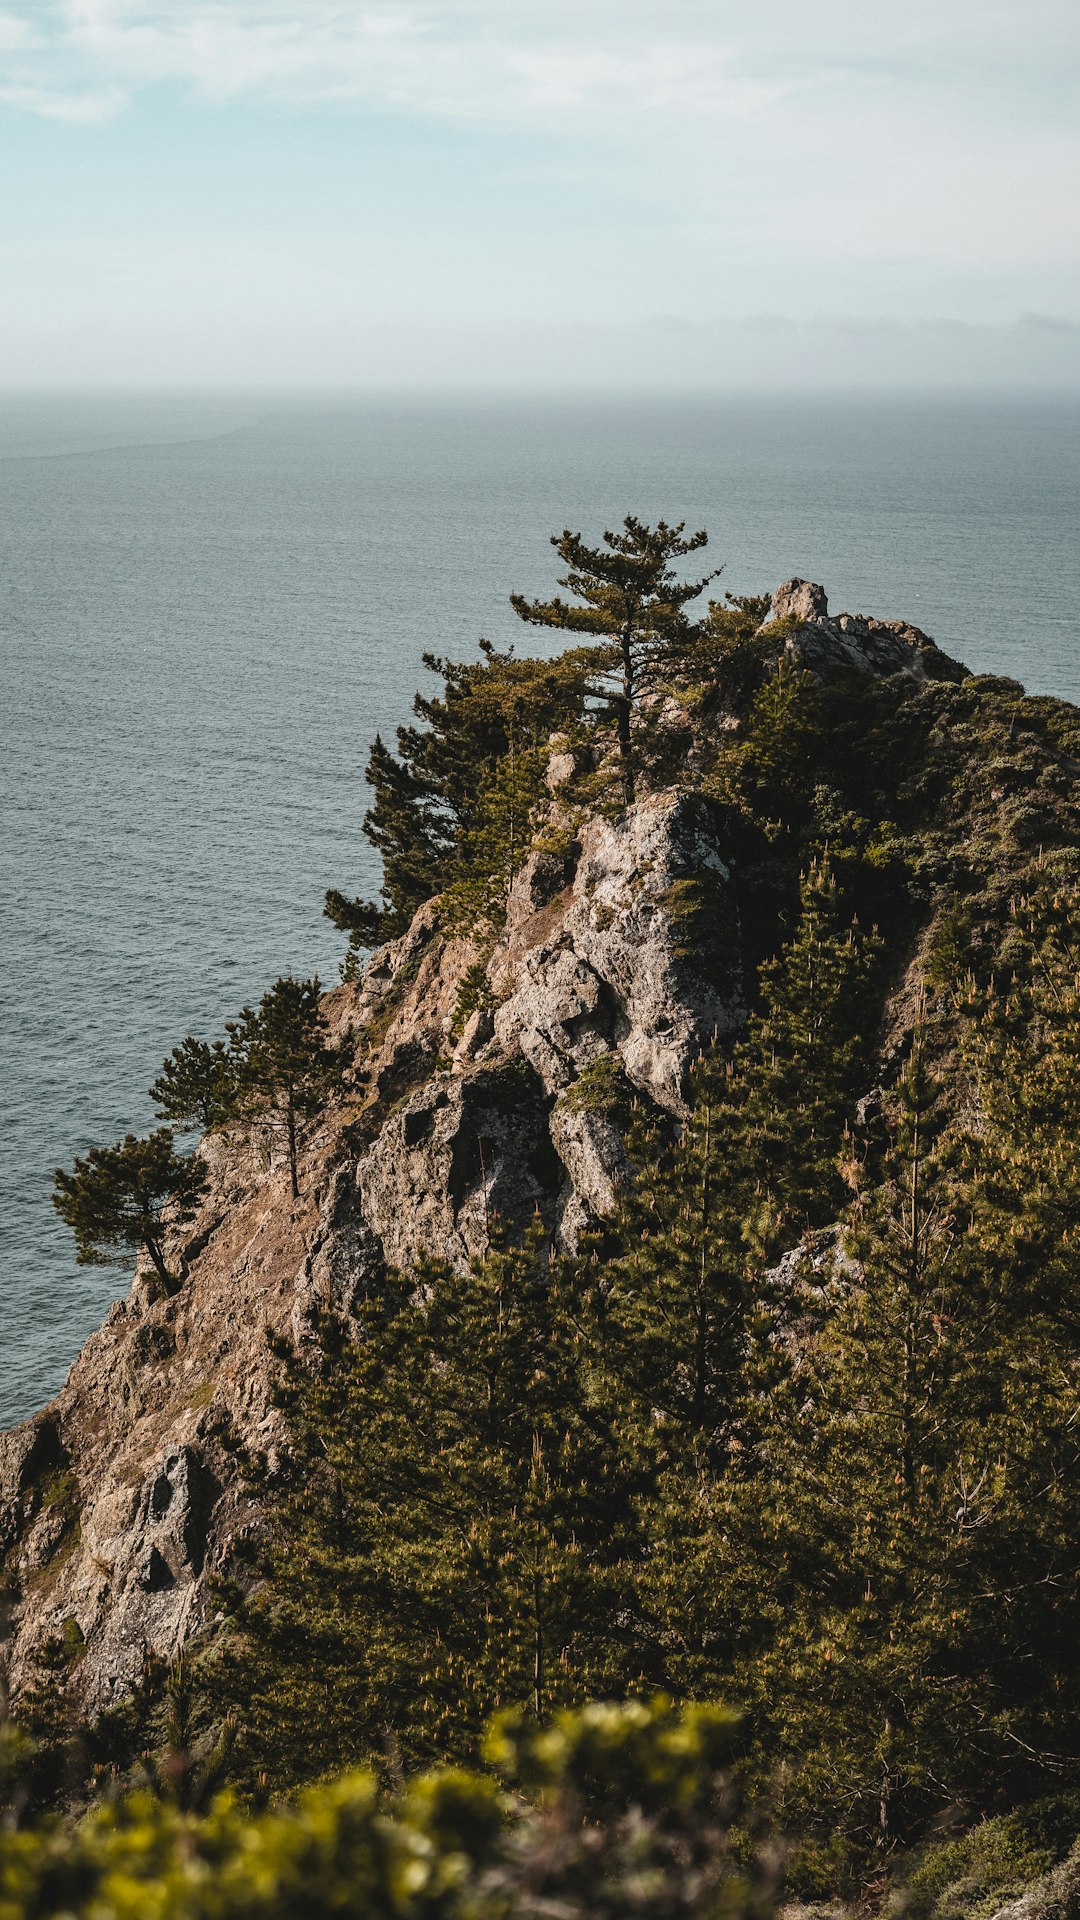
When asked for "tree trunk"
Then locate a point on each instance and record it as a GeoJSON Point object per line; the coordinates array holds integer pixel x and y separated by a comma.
{"type": "Point", "coordinates": [626, 707]}
{"type": "Point", "coordinates": [170, 1285]}
{"type": "Point", "coordinates": [538, 1648]}
{"type": "Point", "coordinates": [290, 1122]}
{"type": "Point", "coordinates": [701, 1356]}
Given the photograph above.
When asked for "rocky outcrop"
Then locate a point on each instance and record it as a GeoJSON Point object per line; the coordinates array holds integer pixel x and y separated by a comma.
{"type": "Point", "coordinates": [460, 1151]}
{"type": "Point", "coordinates": [606, 967]}
{"type": "Point", "coordinates": [622, 955]}
{"type": "Point", "coordinates": [854, 642]}
{"type": "Point", "coordinates": [589, 1143]}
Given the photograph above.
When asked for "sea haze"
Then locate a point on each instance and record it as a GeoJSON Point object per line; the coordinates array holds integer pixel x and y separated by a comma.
{"type": "Point", "coordinates": [208, 606]}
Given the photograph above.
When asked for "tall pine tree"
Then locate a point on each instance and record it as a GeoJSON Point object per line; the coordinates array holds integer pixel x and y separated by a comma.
{"type": "Point", "coordinates": [627, 594]}
{"type": "Point", "coordinates": [285, 1067]}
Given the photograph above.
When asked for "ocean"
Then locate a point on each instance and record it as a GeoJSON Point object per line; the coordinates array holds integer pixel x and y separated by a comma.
{"type": "Point", "coordinates": [210, 603]}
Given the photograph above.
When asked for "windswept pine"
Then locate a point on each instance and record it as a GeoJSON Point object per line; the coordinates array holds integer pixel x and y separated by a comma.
{"type": "Point", "coordinates": [115, 1200]}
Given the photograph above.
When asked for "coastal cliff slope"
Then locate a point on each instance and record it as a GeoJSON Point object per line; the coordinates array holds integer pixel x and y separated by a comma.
{"type": "Point", "coordinates": [631, 936]}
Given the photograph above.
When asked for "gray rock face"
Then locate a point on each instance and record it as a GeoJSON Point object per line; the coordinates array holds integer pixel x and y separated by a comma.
{"type": "Point", "coordinates": [460, 1153]}
{"type": "Point", "coordinates": [855, 642]}
{"type": "Point", "coordinates": [152, 1540]}
{"type": "Point", "coordinates": [590, 1146]}
{"type": "Point", "coordinates": [621, 966]}
{"type": "Point", "coordinates": [800, 600]}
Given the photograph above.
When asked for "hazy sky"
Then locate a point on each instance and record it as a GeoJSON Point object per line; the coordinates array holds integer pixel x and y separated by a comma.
{"type": "Point", "coordinates": [320, 190]}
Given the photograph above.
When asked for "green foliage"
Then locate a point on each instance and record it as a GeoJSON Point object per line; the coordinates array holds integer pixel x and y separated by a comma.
{"type": "Point", "coordinates": [116, 1199]}
{"type": "Point", "coordinates": [684, 1330]}
{"type": "Point", "coordinates": [460, 1536]}
{"type": "Point", "coordinates": [498, 1489]}
{"type": "Point", "coordinates": [452, 784]}
{"type": "Point", "coordinates": [917, 1536]}
{"type": "Point", "coordinates": [974, 1876]}
{"type": "Point", "coordinates": [633, 1818]}
{"type": "Point", "coordinates": [285, 1068]}
{"type": "Point", "coordinates": [677, 1294]}
{"type": "Point", "coordinates": [198, 1085]}
{"type": "Point", "coordinates": [728, 650]}
{"type": "Point", "coordinates": [771, 769]}
{"type": "Point", "coordinates": [492, 847]}
{"type": "Point", "coordinates": [474, 996]}
{"type": "Point", "coordinates": [811, 1052]}
{"type": "Point", "coordinates": [603, 1087]}
{"type": "Point", "coordinates": [190, 1764]}
{"type": "Point", "coordinates": [1021, 1045]}
{"type": "Point", "coordinates": [629, 597]}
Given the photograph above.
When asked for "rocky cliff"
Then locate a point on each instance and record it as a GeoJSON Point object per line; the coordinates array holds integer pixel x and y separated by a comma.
{"type": "Point", "coordinates": [469, 1099]}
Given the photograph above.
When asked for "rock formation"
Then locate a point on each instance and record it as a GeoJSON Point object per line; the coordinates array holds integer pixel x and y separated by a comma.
{"type": "Point", "coordinates": [120, 1499]}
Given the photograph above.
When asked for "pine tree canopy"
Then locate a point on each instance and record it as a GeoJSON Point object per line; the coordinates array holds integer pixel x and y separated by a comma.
{"type": "Point", "coordinates": [432, 797]}
{"type": "Point", "coordinates": [115, 1200]}
{"type": "Point", "coordinates": [629, 597]}
{"type": "Point", "coordinates": [197, 1085]}
{"type": "Point", "coordinates": [462, 1529]}
{"type": "Point", "coordinates": [839, 1489]}
{"type": "Point", "coordinates": [285, 1069]}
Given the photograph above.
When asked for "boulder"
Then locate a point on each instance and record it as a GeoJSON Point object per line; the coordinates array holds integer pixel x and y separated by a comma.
{"type": "Point", "coordinates": [801, 600]}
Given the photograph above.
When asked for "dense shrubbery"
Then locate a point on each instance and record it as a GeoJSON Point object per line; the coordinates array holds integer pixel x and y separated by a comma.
{"type": "Point", "coordinates": [611, 1812]}
{"type": "Point", "coordinates": [973, 1876]}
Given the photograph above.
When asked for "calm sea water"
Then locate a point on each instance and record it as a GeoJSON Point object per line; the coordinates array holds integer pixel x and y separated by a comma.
{"type": "Point", "coordinates": [209, 605]}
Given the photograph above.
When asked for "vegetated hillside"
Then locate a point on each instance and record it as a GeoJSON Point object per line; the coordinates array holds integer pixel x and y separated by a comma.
{"type": "Point", "coordinates": [679, 1287]}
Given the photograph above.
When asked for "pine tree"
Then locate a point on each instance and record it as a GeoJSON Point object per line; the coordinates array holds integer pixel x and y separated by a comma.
{"type": "Point", "coordinates": [119, 1199]}
{"type": "Point", "coordinates": [630, 598]}
{"type": "Point", "coordinates": [806, 1059]}
{"type": "Point", "coordinates": [197, 1085]}
{"type": "Point", "coordinates": [285, 1068]}
{"type": "Point", "coordinates": [752, 1167]}
{"type": "Point", "coordinates": [1021, 1050]}
{"type": "Point", "coordinates": [433, 792]}
{"type": "Point", "coordinates": [494, 846]}
{"type": "Point", "coordinates": [461, 1536]}
{"type": "Point", "coordinates": [189, 1766]}
{"type": "Point", "coordinates": [778, 753]}
{"type": "Point", "coordinates": [679, 1317]}
{"type": "Point", "coordinates": [413, 833]}
{"type": "Point", "coordinates": [917, 1543]}
{"type": "Point", "coordinates": [677, 1295]}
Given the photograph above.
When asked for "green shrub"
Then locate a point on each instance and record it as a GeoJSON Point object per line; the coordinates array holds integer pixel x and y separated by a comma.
{"type": "Point", "coordinates": [972, 1877]}
{"type": "Point", "coordinates": [603, 1087]}
{"type": "Point", "coordinates": [629, 1813]}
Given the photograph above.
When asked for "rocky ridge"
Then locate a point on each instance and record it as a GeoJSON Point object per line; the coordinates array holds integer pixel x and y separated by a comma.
{"type": "Point", "coordinates": [121, 1498]}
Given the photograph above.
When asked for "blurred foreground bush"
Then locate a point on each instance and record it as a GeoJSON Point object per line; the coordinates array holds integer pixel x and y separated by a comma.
{"type": "Point", "coordinates": [610, 1811]}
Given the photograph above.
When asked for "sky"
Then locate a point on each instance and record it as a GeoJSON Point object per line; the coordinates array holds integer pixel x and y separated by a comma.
{"type": "Point", "coordinates": [314, 192]}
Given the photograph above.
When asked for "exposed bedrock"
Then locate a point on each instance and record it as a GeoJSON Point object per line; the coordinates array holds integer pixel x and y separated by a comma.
{"type": "Point", "coordinates": [610, 966]}
{"type": "Point", "coordinates": [854, 642]}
